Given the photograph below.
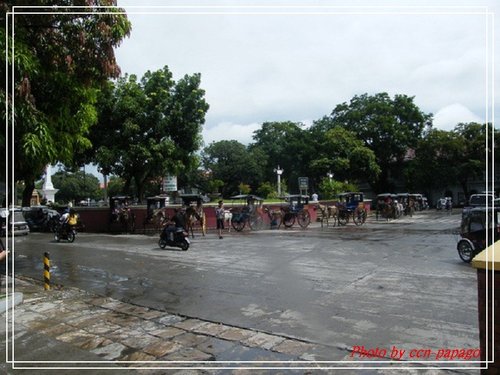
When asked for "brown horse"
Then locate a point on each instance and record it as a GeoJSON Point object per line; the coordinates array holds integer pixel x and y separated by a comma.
{"type": "Point", "coordinates": [328, 212]}
{"type": "Point", "coordinates": [333, 211]}
{"type": "Point", "coordinates": [324, 213]}
{"type": "Point", "coordinates": [125, 217]}
{"type": "Point", "coordinates": [157, 219]}
{"type": "Point", "coordinates": [192, 216]}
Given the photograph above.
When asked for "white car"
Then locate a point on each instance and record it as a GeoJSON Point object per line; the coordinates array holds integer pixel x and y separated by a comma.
{"type": "Point", "coordinates": [13, 219]}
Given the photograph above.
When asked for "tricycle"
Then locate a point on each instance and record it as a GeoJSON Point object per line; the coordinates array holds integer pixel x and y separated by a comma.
{"type": "Point", "coordinates": [479, 228]}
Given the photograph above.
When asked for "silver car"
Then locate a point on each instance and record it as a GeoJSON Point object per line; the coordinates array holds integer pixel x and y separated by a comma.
{"type": "Point", "coordinates": [13, 220]}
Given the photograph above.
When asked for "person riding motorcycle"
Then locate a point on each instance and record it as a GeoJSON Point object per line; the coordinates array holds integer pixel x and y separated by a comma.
{"type": "Point", "coordinates": [67, 220]}
{"type": "Point", "coordinates": [177, 221]}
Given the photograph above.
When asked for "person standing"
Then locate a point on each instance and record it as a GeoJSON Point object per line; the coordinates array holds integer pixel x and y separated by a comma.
{"type": "Point", "coordinates": [3, 259]}
{"type": "Point", "coordinates": [219, 216]}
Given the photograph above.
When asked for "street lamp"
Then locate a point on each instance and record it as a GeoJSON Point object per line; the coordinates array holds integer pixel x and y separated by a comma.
{"type": "Point", "coordinates": [330, 175]}
{"type": "Point", "coordinates": [279, 172]}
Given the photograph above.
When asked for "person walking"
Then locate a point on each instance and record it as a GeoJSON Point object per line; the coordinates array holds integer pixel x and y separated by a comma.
{"type": "Point", "coordinates": [219, 216]}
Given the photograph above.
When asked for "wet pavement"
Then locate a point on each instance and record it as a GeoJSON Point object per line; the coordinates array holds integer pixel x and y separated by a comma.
{"type": "Point", "coordinates": [295, 298]}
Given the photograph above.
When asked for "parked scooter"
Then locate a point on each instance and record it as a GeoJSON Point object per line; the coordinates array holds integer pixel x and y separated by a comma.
{"type": "Point", "coordinates": [180, 238]}
{"type": "Point", "coordinates": [65, 232]}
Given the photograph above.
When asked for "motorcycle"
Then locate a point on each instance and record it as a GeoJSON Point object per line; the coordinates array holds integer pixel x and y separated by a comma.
{"type": "Point", "coordinates": [180, 239]}
{"type": "Point", "coordinates": [65, 233]}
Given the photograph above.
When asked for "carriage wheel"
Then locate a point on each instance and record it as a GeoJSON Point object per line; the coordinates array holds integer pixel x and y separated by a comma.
{"type": "Point", "coordinates": [256, 223]}
{"type": "Point", "coordinates": [304, 218]}
{"type": "Point", "coordinates": [343, 217]}
{"type": "Point", "coordinates": [465, 250]}
{"type": "Point", "coordinates": [288, 219]}
{"type": "Point", "coordinates": [359, 216]}
{"type": "Point", "coordinates": [238, 224]}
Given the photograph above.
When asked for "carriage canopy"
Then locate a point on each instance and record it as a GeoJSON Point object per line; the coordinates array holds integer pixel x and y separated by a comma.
{"type": "Point", "coordinates": [351, 199]}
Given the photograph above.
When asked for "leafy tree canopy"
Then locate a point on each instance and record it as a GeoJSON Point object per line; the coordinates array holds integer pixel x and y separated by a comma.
{"type": "Point", "coordinates": [233, 163]}
{"type": "Point", "coordinates": [457, 157]}
{"type": "Point", "coordinates": [389, 127]}
{"type": "Point", "coordinates": [286, 144]}
{"type": "Point", "coordinates": [339, 151]}
{"type": "Point", "coordinates": [59, 62]}
{"type": "Point", "coordinates": [74, 187]}
{"type": "Point", "coordinates": [151, 127]}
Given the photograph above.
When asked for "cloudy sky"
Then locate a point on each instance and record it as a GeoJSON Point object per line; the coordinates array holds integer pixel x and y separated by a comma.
{"type": "Point", "coordinates": [297, 63]}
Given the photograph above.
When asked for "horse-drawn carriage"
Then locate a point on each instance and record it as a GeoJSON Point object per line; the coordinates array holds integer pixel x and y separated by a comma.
{"type": "Point", "coordinates": [351, 204]}
{"type": "Point", "coordinates": [249, 212]}
{"type": "Point", "coordinates": [295, 211]}
{"type": "Point", "coordinates": [480, 227]}
{"type": "Point", "coordinates": [386, 206]}
{"type": "Point", "coordinates": [193, 212]}
{"type": "Point", "coordinates": [156, 215]}
{"type": "Point", "coordinates": [121, 214]}
{"type": "Point", "coordinates": [408, 204]}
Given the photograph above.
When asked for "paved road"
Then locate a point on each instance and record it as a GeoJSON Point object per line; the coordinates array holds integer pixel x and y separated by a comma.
{"type": "Point", "coordinates": [381, 285]}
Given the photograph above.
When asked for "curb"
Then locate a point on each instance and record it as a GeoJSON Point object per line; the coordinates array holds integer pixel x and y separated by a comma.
{"type": "Point", "coordinates": [10, 300]}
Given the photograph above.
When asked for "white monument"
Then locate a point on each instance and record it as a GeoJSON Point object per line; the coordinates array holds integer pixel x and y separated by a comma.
{"type": "Point", "coordinates": [47, 188]}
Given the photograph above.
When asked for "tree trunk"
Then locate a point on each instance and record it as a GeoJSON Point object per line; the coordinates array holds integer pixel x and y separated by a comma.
{"type": "Point", "coordinates": [29, 186]}
{"type": "Point", "coordinates": [139, 184]}
{"type": "Point", "coordinates": [465, 188]}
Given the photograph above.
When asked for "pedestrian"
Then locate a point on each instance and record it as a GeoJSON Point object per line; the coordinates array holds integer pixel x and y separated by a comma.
{"type": "Point", "coordinates": [3, 259]}
{"type": "Point", "coordinates": [219, 216]}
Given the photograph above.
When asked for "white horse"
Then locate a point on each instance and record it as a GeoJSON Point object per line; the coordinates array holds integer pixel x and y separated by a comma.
{"type": "Point", "coordinates": [399, 208]}
{"type": "Point", "coordinates": [228, 216]}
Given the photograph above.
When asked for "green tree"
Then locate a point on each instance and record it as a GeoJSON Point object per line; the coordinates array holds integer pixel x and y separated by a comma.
{"type": "Point", "coordinates": [233, 163]}
{"type": "Point", "coordinates": [116, 186]}
{"type": "Point", "coordinates": [286, 144]}
{"type": "Point", "coordinates": [446, 158]}
{"type": "Point", "coordinates": [339, 151]}
{"type": "Point", "coordinates": [59, 62]}
{"type": "Point", "coordinates": [330, 189]}
{"type": "Point", "coordinates": [435, 155]}
{"type": "Point", "coordinates": [471, 163]}
{"type": "Point", "coordinates": [266, 190]}
{"type": "Point", "coordinates": [74, 187]}
{"type": "Point", "coordinates": [150, 128]}
{"type": "Point", "coordinates": [389, 127]}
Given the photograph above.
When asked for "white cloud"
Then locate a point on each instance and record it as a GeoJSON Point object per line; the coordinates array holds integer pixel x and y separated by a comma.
{"type": "Point", "coordinates": [275, 67]}
{"type": "Point", "coordinates": [229, 131]}
{"type": "Point", "coordinates": [451, 115]}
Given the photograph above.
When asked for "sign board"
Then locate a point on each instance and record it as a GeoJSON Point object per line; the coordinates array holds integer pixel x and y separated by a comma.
{"type": "Point", "coordinates": [303, 183]}
{"type": "Point", "coordinates": [170, 183]}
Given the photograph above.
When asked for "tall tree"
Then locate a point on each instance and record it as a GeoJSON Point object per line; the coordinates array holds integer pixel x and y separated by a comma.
{"type": "Point", "coordinates": [436, 155]}
{"type": "Point", "coordinates": [339, 151]}
{"type": "Point", "coordinates": [471, 162]}
{"type": "Point", "coordinates": [286, 144]}
{"type": "Point", "coordinates": [447, 158]}
{"type": "Point", "coordinates": [76, 186]}
{"type": "Point", "coordinates": [59, 60]}
{"type": "Point", "coordinates": [150, 127]}
{"type": "Point", "coordinates": [389, 127]}
{"type": "Point", "coordinates": [234, 164]}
